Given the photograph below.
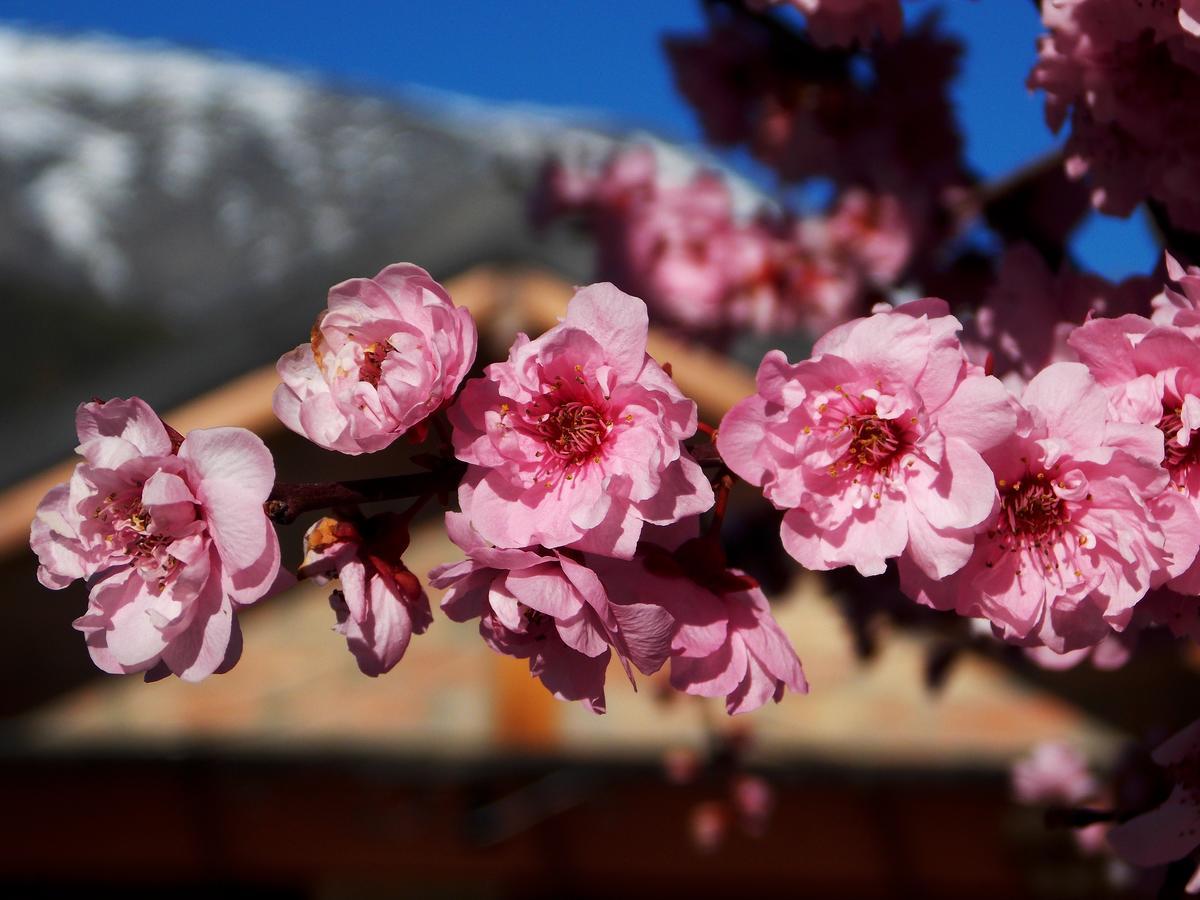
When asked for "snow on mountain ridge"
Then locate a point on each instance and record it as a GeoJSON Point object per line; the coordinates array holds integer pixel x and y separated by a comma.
{"type": "Point", "coordinates": [174, 180]}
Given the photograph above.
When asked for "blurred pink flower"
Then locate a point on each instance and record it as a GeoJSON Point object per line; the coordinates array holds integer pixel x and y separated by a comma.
{"type": "Point", "coordinates": [726, 642]}
{"type": "Point", "coordinates": [700, 268]}
{"type": "Point", "coordinates": [577, 437]}
{"type": "Point", "coordinates": [754, 799]}
{"type": "Point", "coordinates": [1076, 543]}
{"type": "Point", "coordinates": [873, 232]}
{"type": "Point", "coordinates": [873, 445]}
{"type": "Point", "coordinates": [1029, 312]}
{"type": "Point", "coordinates": [549, 608]}
{"type": "Point", "coordinates": [170, 535]}
{"type": "Point", "coordinates": [387, 353]}
{"type": "Point", "coordinates": [708, 825]}
{"type": "Point", "coordinates": [1053, 774]}
{"type": "Point", "coordinates": [1172, 830]}
{"type": "Point", "coordinates": [380, 604]}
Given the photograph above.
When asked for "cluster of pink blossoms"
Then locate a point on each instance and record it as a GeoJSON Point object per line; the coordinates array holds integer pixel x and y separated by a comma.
{"type": "Point", "coordinates": [1052, 514]}
{"type": "Point", "coordinates": [1128, 76]}
{"type": "Point", "coordinates": [684, 249]}
{"type": "Point", "coordinates": [1063, 508]}
{"type": "Point", "coordinates": [1066, 512]}
{"type": "Point", "coordinates": [580, 507]}
{"type": "Point", "coordinates": [810, 112]}
{"type": "Point", "coordinates": [576, 468]}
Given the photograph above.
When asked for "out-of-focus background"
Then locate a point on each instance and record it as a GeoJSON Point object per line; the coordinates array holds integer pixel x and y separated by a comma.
{"type": "Point", "coordinates": [179, 184]}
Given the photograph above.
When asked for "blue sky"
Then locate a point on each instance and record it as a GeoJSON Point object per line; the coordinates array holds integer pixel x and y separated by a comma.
{"type": "Point", "coordinates": [590, 54]}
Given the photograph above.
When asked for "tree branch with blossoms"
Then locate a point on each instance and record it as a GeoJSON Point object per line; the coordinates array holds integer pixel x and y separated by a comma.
{"type": "Point", "coordinates": [1019, 455]}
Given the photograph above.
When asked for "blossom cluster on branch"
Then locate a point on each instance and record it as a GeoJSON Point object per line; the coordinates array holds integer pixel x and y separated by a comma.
{"type": "Point", "coordinates": [1127, 78]}
{"type": "Point", "coordinates": [1019, 461]}
{"type": "Point", "coordinates": [1052, 510]}
{"type": "Point", "coordinates": [710, 272]}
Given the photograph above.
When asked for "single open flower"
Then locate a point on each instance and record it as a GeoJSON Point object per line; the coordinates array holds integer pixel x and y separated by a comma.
{"type": "Point", "coordinates": [725, 642]}
{"type": "Point", "coordinates": [576, 439]}
{"type": "Point", "coordinates": [1076, 542]}
{"type": "Point", "coordinates": [550, 608]}
{"type": "Point", "coordinates": [170, 535]}
{"type": "Point", "coordinates": [873, 445]}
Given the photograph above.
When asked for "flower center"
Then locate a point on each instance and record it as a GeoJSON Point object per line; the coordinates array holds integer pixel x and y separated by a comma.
{"type": "Point", "coordinates": [875, 443]}
{"type": "Point", "coordinates": [127, 532]}
{"type": "Point", "coordinates": [1031, 514]}
{"type": "Point", "coordinates": [1177, 459]}
{"type": "Point", "coordinates": [371, 369]}
{"type": "Point", "coordinates": [573, 431]}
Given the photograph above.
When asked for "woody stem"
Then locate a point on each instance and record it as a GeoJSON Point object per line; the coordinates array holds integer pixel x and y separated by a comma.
{"type": "Point", "coordinates": [290, 500]}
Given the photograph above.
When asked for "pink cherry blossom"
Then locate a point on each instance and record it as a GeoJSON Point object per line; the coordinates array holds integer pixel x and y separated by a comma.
{"type": "Point", "coordinates": [874, 232]}
{"type": "Point", "coordinates": [380, 604]}
{"type": "Point", "coordinates": [754, 800]}
{"type": "Point", "coordinates": [170, 535]}
{"type": "Point", "coordinates": [702, 268]}
{"type": "Point", "coordinates": [708, 825]}
{"type": "Point", "coordinates": [547, 607]}
{"type": "Point", "coordinates": [873, 445]}
{"type": "Point", "coordinates": [1030, 311]}
{"type": "Point", "coordinates": [1181, 307]}
{"type": "Point", "coordinates": [1076, 542]}
{"type": "Point", "coordinates": [726, 643]}
{"type": "Point", "coordinates": [1152, 375]}
{"type": "Point", "coordinates": [844, 22]}
{"type": "Point", "coordinates": [675, 245]}
{"type": "Point", "coordinates": [804, 275]}
{"type": "Point", "coordinates": [577, 437]}
{"type": "Point", "coordinates": [729, 645]}
{"type": "Point", "coordinates": [385, 355]}
{"type": "Point", "coordinates": [1128, 76]}
{"type": "Point", "coordinates": [1172, 830]}
{"type": "Point", "coordinates": [1053, 774]}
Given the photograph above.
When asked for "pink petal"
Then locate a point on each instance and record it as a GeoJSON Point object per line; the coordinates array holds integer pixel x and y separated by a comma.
{"type": "Point", "coordinates": [980, 412]}
{"type": "Point", "coordinates": [130, 420]}
{"type": "Point", "coordinates": [604, 311]}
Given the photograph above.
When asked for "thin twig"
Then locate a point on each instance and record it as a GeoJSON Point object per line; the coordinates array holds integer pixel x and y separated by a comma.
{"type": "Point", "coordinates": [287, 501]}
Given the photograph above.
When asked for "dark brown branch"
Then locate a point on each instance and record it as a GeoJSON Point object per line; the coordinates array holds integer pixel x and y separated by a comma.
{"type": "Point", "coordinates": [1067, 817]}
{"type": "Point", "coordinates": [706, 455]}
{"type": "Point", "coordinates": [287, 501]}
{"type": "Point", "coordinates": [290, 500]}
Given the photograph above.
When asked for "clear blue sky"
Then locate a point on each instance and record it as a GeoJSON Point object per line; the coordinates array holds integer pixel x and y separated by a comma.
{"type": "Point", "coordinates": [590, 54]}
